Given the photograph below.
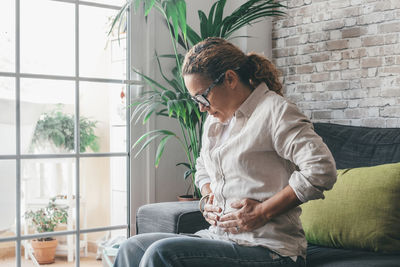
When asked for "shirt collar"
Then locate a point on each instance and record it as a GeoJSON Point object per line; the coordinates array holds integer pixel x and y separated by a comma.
{"type": "Point", "coordinates": [250, 104]}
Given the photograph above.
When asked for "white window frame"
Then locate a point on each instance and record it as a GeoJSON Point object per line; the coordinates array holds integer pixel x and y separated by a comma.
{"type": "Point", "coordinates": [18, 156]}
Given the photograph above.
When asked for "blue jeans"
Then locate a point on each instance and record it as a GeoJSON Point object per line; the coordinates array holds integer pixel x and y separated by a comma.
{"type": "Point", "coordinates": [163, 249]}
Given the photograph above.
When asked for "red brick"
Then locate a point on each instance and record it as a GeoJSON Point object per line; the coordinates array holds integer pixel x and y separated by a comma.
{"type": "Point", "coordinates": [305, 69]}
{"type": "Point", "coordinates": [353, 32]}
{"type": "Point", "coordinates": [320, 57]}
{"type": "Point", "coordinates": [373, 41]}
{"type": "Point", "coordinates": [371, 62]}
{"type": "Point", "coordinates": [392, 70]}
{"type": "Point", "coordinates": [390, 27]}
{"type": "Point", "coordinates": [336, 65]}
{"type": "Point", "coordinates": [320, 77]}
{"type": "Point", "coordinates": [337, 45]}
{"type": "Point", "coordinates": [333, 25]}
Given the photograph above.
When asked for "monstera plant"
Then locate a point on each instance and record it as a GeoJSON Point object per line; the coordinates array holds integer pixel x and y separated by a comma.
{"type": "Point", "coordinates": [169, 97]}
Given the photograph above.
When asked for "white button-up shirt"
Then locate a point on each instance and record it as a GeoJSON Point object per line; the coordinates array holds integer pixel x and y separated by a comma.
{"type": "Point", "coordinates": [271, 144]}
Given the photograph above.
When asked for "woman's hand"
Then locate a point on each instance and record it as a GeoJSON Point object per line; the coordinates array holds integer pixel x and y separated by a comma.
{"type": "Point", "coordinates": [252, 214]}
{"type": "Point", "coordinates": [210, 211]}
{"type": "Point", "coordinates": [248, 217]}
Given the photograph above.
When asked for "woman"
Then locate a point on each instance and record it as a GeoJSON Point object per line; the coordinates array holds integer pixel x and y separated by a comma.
{"type": "Point", "coordinates": [260, 159]}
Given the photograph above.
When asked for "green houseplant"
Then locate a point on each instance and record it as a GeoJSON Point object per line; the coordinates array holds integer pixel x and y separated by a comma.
{"type": "Point", "coordinates": [45, 220]}
{"type": "Point", "coordinates": [57, 128]}
{"type": "Point", "coordinates": [173, 100]}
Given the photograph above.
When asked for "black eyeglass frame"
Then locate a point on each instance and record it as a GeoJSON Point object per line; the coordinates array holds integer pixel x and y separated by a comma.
{"type": "Point", "coordinates": [202, 98]}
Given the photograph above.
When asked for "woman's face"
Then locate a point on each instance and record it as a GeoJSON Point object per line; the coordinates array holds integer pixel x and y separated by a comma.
{"type": "Point", "coordinates": [218, 97]}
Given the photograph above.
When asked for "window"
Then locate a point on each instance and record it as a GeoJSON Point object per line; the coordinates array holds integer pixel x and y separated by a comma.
{"type": "Point", "coordinates": [64, 92]}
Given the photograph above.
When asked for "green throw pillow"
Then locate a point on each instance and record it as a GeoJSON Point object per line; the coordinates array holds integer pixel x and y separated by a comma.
{"type": "Point", "coordinates": [362, 211]}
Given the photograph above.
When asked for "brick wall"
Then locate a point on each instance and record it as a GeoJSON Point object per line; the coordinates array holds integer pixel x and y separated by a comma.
{"type": "Point", "coordinates": [340, 59]}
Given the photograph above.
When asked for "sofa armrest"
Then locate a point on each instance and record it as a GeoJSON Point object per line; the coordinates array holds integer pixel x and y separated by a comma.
{"type": "Point", "coordinates": [170, 217]}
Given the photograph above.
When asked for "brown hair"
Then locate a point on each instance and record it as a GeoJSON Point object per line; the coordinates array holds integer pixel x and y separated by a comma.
{"type": "Point", "coordinates": [215, 55]}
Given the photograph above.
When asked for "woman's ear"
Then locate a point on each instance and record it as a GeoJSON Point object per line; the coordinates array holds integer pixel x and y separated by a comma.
{"type": "Point", "coordinates": [231, 78]}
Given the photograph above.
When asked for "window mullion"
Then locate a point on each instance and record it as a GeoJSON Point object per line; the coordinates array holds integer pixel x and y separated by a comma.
{"type": "Point", "coordinates": [18, 131]}
{"type": "Point", "coordinates": [77, 140]}
{"type": "Point", "coordinates": [128, 119]}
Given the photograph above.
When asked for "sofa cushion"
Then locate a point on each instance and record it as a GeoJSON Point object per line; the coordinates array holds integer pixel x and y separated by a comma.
{"type": "Point", "coordinates": [353, 146]}
{"type": "Point", "coordinates": [318, 256]}
{"type": "Point", "coordinates": [362, 211]}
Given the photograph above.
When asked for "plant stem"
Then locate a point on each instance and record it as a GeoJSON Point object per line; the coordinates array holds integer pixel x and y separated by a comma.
{"type": "Point", "coordinates": [184, 132]}
{"type": "Point", "coordinates": [173, 44]}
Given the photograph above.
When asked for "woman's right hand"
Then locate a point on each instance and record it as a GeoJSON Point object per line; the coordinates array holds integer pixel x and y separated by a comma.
{"type": "Point", "coordinates": [210, 211]}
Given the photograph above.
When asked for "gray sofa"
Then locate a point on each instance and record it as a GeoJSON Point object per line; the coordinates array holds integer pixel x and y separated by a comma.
{"type": "Point", "coordinates": [351, 147]}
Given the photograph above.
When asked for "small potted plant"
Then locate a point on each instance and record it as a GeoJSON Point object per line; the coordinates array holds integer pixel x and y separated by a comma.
{"type": "Point", "coordinates": [45, 220]}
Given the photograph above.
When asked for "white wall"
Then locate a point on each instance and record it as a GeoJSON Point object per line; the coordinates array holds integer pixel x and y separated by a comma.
{"type": "Point", "coordinates": [166, 182]}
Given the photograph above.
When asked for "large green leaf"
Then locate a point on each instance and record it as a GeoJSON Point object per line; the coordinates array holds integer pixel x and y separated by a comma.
{"type": "Point", "coordinates": [150, 81]}
{"type": "Point", "coordinates": [203, 24]}
{"type": "Point", "coordinates": [148, 141]}
{"type": "Point", "coordinates": [248, 13]}
{"type": "Point", "coordinates": [146, 113]}
{"type": "Point", "coordinates": [120, 15]}
{"type": "Point", "coordinates": [181, 9]}
{"type": "Point", "coordinates": [145, 135]}
{"type": "Point", "coordinates": [172, 13]}
{"type": "Point", "coordinates": [210, 18]}
{"type": "Point", "coordinates": [218, 17]}
{"type": "Point", "coordinates": [192, 36]}
{"type": "Point", "coordinates": [160, 149]}
{"type": "Point", "coordinates": [184, 164]}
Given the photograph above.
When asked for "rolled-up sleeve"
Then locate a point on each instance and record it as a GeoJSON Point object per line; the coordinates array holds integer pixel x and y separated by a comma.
{"type": "Point", "coordinates": [295, 140]}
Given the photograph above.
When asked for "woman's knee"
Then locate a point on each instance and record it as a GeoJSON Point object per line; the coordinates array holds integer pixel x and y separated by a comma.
{"type": "Point", "coordinates": [141, 242]}
{"type": "Point", "coordinates": [130, 245]}
{"type": "Point", "coordinates": [131, 251]}
{"type": "Point", "coordinates": [162, 252]}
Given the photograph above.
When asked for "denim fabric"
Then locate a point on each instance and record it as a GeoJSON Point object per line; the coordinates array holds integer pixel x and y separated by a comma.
{"type": "Point", "coordinates": [164, 249]}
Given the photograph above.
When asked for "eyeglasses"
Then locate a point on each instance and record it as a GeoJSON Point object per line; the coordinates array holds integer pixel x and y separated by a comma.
{"type": "Point", "coordinates": [202, 98]}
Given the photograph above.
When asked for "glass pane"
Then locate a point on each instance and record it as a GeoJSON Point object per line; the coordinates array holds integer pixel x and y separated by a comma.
{"type": "Point", "coordinates": [103, 191]}
{"type": "Point", "coordinates": [7, 115]}
{"type": "Point", "coordinates": [108, 2]}
{"type": "Point", "coordinates": [7, 254]}
{"type": "Point", "coordinates": [48, 187]}
{"type": "Point", "coordinates": [106, 250]}
{"type": "Point", "coordinates": [47, 37]}
{"type": "Point", "coordinates": [104, 105]}
{"type": "Point", "coordinates": [7, 35]}
{"type": "Point", "coordinates": [7, 198]}
{"type": "Point", "coordinates": [47, 116]}
{"type": "Point", "coordinates": [100, 55]}
{"type": "Point", "coordinates": [62, 247]}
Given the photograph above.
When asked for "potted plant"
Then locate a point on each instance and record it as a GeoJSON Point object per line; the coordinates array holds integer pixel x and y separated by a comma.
{"type": "Point", "coordinates": [173, 100]}
{"type": "Point", "coordinates": [45, 220]}
{"type": "Point", "coordinates": [57, 128]}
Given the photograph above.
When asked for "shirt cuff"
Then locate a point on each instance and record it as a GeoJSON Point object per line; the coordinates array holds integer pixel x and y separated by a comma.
{"type": "Point", "coordinates": [203, 182]}
{"type": "Point", "coordinates": [303, 189]}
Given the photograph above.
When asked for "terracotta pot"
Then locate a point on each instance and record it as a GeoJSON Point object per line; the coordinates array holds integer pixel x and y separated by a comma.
{"type": "Point", "coordinates": [187, 198]}
{"type": "Point", "coordinates": [44, 250]}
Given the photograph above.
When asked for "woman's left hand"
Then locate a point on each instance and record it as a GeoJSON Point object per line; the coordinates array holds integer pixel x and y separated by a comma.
{"type": "Point", "coordinates": [249, 216]}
